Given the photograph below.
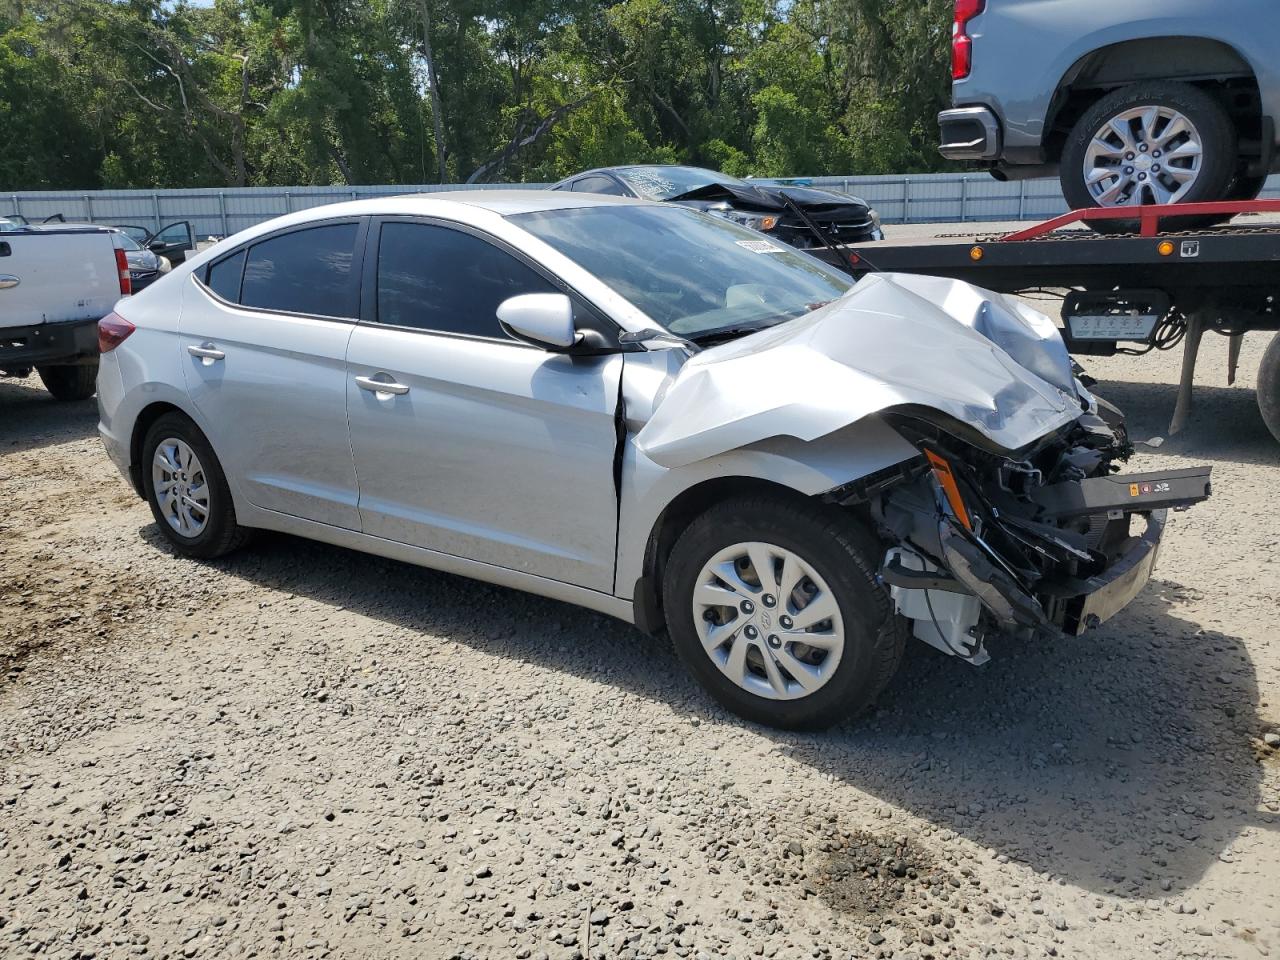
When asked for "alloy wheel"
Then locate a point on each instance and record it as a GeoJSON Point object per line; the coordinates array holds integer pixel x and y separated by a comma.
{"type": "Point", "coordinates": [181, 489]}
{"type": "Point", "coordinates": [1148, 154]}
{"type": "Point", "coordinates": [768, 620]}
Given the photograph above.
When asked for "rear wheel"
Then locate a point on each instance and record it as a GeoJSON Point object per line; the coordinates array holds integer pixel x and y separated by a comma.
{"type": "Point", "coordinates": [187, 490]}
{"type": "Point", "coordinates": [1269, 386]}
{"type": "Point", "coordinates": [773, 605]}
{"type": "Point", "coordinates": [1157, 142]}
{"type": "Point", "coordinates": [70, 381]}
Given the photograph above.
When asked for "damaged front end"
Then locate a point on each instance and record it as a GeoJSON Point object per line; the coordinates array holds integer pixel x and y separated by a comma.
{"type": "Point", "coordinates": [1048, 539]}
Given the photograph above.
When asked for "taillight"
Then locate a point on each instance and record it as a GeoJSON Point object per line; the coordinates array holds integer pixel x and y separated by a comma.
{"type": "Point", "coordinates": [961, 42]}
{"type": "Point", "coordinates": [122, 264]}
{"type": "Point", "coordinates": [113, 330]}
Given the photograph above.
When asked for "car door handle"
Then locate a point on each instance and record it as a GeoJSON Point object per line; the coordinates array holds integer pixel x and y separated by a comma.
{"type": "Point", "coordinates": [382, 386]}
{"type": "Point", "coordinates": [8, 281]}
{"type": "Point", "coordinates": [206, 352]}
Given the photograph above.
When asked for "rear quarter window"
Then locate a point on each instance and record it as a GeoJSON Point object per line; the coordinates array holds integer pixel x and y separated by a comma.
{"type": "Point", "coordinates": [224, 276]}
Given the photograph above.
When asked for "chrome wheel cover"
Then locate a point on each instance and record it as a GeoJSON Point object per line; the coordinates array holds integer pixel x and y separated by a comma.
{"type": "Point", "coordinates": [1144, 155]}
{"type": "Point", "coordinates": [181, 489]}
{"type": "Point", "coordinates": [768, 621]}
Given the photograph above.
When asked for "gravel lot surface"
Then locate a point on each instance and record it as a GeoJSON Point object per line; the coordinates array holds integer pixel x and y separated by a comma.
{"type": "Point", "coordinates": [302, 751]}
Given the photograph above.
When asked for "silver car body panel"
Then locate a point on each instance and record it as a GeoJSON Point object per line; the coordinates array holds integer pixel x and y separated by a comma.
{"type": "Point", "coordinates": [499, 451]}
{"type": "Point", "coordinates": [282, 376]}
{"type": "Point", "coordinates": [893, 340]}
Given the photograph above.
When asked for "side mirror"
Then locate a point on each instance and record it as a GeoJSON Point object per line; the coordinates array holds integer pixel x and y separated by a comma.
{"type": "Point", "coordinates": [155, 246]}
{"type": "Point", "coordinates": [543, 319]}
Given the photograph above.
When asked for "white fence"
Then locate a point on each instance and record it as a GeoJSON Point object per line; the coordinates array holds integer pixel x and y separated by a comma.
{"type": "Point", "coordinates": [922, 198]}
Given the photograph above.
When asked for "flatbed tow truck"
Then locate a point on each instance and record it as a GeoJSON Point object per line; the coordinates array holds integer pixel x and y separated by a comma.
{"type": "Point", "coordinates": [1153, 289]}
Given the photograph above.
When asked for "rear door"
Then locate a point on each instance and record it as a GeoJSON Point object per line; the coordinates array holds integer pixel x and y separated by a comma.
{"type": "Point", "coordinates": [264, 333]}
{"type": "Point", "coordinates": [479, 446]}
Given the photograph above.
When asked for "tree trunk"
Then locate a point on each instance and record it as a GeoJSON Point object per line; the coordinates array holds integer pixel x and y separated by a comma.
{"type": "Point", "coordinates": [437, 113]}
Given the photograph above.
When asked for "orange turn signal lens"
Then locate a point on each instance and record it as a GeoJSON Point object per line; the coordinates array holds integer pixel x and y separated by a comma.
{"type": "Point", "coordinates": [768, 223]}
{"type": "Point", "coordinates": [1165, 248]}
{"type": "Point", "coordinates": [946, 480]}
{"type": "Point", "coordinates": [976, 253]}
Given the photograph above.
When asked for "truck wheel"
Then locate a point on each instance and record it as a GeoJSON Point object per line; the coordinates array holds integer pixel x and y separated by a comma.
{"type": "Point", "coordinates": [187, 490]}
{"type": "Point", "coordinates": [70, 381]}
{"type": "Point", "coordinates": [1269, 386]}
{"type": "Point", "coordinates": [772, 604]}
{"type": "Point", "coordinates": [1150, 142]}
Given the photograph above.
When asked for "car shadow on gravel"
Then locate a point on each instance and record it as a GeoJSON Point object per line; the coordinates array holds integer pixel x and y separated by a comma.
{"type": "Point", "coordinates": [30, 418]}
{"type": "Point", "coordinates": [1225, 423]}
{"type": "Point", "coordinates": [1119, 762]}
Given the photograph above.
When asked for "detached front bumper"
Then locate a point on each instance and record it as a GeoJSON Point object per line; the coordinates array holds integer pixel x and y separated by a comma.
{"type": "Point", "coordinates": [1079, 605]}
{"type": "Point", "coordinates": [1096, 564]}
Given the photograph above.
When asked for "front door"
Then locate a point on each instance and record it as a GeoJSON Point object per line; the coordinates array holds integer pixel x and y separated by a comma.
{"type": "Point", "coordinates": [264, 334]}
{"type": "Point", "coordinates": [466, 441]}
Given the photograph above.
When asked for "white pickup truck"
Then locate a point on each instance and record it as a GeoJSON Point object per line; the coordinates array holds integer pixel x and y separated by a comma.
{"type": "Point", "coordinates": [55, 284]}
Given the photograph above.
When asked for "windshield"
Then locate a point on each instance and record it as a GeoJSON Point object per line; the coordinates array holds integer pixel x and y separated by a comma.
{"type": "Point", "coordinates": [698, 276]}
{"type": "Point", "coordinates": [127, 242]}
{"type": "Point", "coordinates": [663, 183]}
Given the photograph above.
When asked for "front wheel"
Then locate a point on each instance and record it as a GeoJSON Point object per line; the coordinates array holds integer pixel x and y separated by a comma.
{"type": "Point", "coordinates": [773, 605]}
{"type": "Point", "coordinates": [1157, 142]}
{"type": "Point", "coordinates": [67, 381]}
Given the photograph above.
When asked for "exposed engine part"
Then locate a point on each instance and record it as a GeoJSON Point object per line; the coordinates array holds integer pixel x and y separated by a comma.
{"type": "Point", "coordinates": [945, 620]}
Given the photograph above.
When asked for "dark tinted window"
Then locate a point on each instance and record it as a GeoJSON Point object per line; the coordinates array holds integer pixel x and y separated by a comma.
{"type": "Point", "coordinates": [442, 279]}
{"type": "Point", "coordinates": [307, 271]}
{"type": "Point", "coordinates": [597, 185]}
{"type": "Point", "coordinates": [224, 277]}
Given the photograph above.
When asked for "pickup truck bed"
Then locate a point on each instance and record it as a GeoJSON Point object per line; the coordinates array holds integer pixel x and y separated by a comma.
{"type": "Point", "coordinates": [55, 284]}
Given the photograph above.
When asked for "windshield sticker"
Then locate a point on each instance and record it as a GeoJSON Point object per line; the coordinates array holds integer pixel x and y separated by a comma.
{"type": "Point", "coordinates": [759, 246]}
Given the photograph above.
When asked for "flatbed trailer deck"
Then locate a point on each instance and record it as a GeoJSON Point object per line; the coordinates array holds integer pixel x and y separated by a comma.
{"type": "Point", "coordinates": [1132, 292]}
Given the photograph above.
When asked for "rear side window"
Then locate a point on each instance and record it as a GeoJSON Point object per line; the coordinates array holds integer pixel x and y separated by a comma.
{"type": "Point", "coordinates": [224, 277]}
{"type": "Point", "coordinates": [435, 278]}
{"type": "Point", "coordinates": [597, 185]}
{"type": "Point", "coordinates": [306, 271]}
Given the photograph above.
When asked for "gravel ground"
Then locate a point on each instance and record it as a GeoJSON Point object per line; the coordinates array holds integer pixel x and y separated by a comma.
{"type": "Point", "coordinates": [302, 751]}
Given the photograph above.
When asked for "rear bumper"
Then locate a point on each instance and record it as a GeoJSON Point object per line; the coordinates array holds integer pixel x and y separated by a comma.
{"type": "Point", "coordinates": [25, 347]}
{"type": "Point", "coordinates": [969, 133]}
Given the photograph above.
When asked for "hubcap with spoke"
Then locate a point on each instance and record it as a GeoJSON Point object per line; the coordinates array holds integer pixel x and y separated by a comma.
{"type": "Point", "coordinates": [768, 621]}
{"type": "Point", "coordinates": [181, 489]}
{"type": "Point", "coordinates": [1144, 155]}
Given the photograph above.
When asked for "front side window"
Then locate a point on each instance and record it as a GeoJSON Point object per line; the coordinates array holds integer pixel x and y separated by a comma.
{"type": "Point", "coordinates": [437, 278]}
{"type": "Point", "coordinates": [305, 271]}
{"type": "Point", "coordinates": [698, 276]}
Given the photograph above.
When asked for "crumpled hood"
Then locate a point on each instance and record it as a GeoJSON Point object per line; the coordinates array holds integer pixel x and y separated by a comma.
{"type": "Point", "coordinates": [894, 339]}
{"type": "Point", "coordinates": [822, 204]}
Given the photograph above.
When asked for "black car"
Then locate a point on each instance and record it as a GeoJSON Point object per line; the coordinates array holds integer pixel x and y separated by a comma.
{"type": "Point", "coordinates": [766, 207]}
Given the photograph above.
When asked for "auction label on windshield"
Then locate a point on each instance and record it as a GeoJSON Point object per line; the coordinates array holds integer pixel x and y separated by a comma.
{"type": "Point", "coordinates": [759, 246]}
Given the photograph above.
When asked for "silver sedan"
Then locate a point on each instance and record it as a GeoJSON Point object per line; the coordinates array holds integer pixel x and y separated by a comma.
{"type": "Point", "coordinates": [646, 411]}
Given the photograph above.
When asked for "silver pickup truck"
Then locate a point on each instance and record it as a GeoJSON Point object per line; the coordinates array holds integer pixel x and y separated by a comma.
{"type": "Point", "coordinates": [55, 284]}
{"type": "Point", "coordinates": [1129, 102]}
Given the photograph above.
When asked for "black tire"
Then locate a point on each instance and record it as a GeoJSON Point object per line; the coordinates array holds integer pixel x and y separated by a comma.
{"type": "Point", "coordinates": [1269, 386]}
{"type": "Point", "coordinates": [1219, 157]}
{"type": "Point", "coordinates": [1246, 187]}
{"type": "Point", "coordinates": [70, 381]}
{"type": "Point", "coordinates": [843, 554]}
{"type": "Point", "coordinates": [221, 534]}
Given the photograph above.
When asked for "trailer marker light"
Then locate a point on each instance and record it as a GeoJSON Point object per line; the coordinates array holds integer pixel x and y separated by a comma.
{"type": "Point", "coordinates": [1165, 248]}
{"type": "Point", "coordinates": [946, 480]}
{"type": "Point", "coordinates": [976, 253]}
